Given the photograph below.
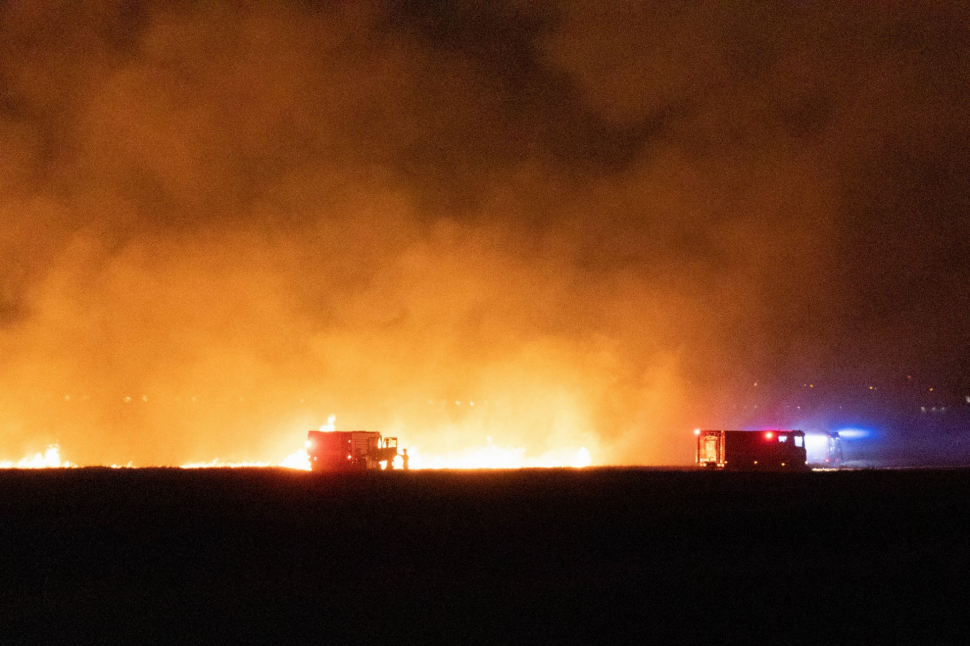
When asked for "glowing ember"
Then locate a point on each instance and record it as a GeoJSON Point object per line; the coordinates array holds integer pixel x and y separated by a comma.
{"type": "Point", "coordinates": [49, 459]}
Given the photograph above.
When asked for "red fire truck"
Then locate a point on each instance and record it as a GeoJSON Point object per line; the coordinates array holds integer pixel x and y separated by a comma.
{"type": "Point", "coordinates": [350, 450]}
{"type": "Point", "coordinates": [757, 450]}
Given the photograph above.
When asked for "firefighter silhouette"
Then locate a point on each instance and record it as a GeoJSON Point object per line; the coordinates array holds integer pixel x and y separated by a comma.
{"type": "Point", "coordinates": [404, 459]}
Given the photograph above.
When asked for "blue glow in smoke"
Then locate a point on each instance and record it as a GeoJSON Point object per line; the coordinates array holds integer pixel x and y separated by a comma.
{"type": "Point", "coordinates": [855, 433]}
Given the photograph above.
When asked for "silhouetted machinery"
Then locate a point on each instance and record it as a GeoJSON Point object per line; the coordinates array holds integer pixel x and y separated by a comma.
{"type": "Point", "coordinates": [760, 450]}
{"type": "Point", "coordinates": [833, 453]}
{"type": "Point", "coordinates": [350, 450]}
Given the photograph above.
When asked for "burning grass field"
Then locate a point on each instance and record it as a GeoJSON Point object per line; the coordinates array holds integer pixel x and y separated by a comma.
{"type": "Point", "coordinates": [567, 556]}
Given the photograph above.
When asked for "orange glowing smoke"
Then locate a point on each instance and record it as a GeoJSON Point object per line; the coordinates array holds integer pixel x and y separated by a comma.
{"type": "Point", "coordinates": [596, 221]}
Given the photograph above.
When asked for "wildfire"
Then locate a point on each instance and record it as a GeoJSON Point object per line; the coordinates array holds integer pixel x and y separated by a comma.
{"type": "Point", "coordinates": [296, 460]}
{"type": "Point", "coordinates": [495, 457]}
{"type": "Point", "coordinates": [221, 464]}
{"type": "Point", "coordinates": [481, 457]}
{"type": "Point", "coordinates": [49, 459]}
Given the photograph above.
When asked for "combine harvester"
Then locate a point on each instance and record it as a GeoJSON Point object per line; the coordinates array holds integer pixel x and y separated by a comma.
{"type": "Point", "coordinates": [773, 450]}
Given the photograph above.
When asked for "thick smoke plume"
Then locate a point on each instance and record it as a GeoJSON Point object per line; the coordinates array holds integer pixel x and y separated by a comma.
{"type": "Point", "coordinates": [221, 222]}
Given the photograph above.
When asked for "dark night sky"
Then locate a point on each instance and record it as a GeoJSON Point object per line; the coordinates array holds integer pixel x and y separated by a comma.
{"type": "Point", "coordinates": [607, 220]}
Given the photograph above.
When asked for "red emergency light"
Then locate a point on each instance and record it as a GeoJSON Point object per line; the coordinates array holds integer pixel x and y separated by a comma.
{"type": "Point", "coordinates": [769, 435]}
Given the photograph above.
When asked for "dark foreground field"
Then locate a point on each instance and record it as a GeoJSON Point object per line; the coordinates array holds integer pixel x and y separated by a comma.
{"type": "Point", "coordinates": [263, 555]}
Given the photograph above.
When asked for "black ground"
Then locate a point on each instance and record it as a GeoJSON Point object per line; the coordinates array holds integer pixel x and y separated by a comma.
{"type": "Point", "coordinates": [267, 556]}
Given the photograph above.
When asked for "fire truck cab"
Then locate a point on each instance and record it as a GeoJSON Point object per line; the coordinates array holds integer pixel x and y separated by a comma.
{"type": "Point", "coordinates": [752, 450]}
{"type": "Point", "coordinates": [350, 450]}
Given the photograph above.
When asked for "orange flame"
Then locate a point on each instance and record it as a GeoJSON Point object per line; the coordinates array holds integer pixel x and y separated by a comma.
{"type": "Point", "coordinates": [49, 459]}
{"type": "Point", "coordinates": [481, 457]}
{"type": "Point", "coordinates": [296, 460]}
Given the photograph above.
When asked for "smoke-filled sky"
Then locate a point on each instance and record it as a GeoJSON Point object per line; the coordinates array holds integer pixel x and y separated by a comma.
{"type": "Point", "coordinates": [221, 222]}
